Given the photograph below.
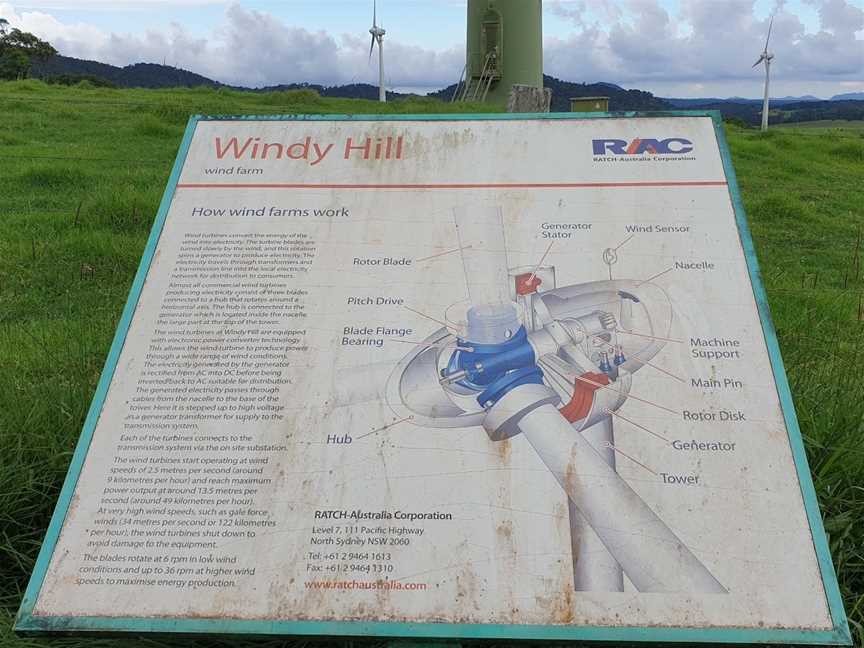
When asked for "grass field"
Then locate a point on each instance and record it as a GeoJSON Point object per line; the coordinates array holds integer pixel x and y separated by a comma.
{"type": "Point", "coordinates": [825, 123]}
{"type": "Point", "coordinates": [81, 174]}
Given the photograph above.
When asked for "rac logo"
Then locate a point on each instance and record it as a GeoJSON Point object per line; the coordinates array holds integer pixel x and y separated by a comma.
{"type": "Point", "coordinates": [668, 146]}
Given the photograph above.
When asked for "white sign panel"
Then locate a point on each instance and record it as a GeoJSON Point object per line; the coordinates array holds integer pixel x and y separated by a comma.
{"type": "Point", "coordinates": [500, 373]}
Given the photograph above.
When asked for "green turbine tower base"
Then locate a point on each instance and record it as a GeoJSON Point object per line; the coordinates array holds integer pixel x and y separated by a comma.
{"type": "Point", "coordinates": [513, 29]}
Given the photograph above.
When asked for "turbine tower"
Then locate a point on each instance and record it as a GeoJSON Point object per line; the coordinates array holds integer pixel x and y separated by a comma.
{"type": "Point", "coordinates": [766, 57]}
{"type": "Point", "coordinates": [378, 36]}
{"type": "Point", "coordinates": [504, 48]}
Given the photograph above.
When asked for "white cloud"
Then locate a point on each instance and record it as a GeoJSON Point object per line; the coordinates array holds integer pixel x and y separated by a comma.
{"type": "Point", "coordinates": [251, 48]}
{"type": "Point", "coordinates": [49, 28]}
{"type": "Point", "coordinates": [122, 4]}
{"type": "Point", "coordinates": [708, 43]}
{"type": "Point", "coordinates": [705, 46]}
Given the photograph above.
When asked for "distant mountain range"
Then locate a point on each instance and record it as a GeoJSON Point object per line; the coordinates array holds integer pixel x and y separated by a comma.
{"type": "Point", "coordinates": [139, 75]}
{"type": "Point", "coordinates": [152, 75]}
{"type": "Point", "coordinates": [65, 69]}
{"type": "Point", "coordinates": [562, 91]}
{"type": "Point", "coordinates": [687, 103]}
{"type": "Point", "coordinates": [750, 112]}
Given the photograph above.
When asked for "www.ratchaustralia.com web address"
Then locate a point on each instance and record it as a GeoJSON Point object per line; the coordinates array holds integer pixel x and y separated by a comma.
{"type": "Point", "coordinates": [364, 585]}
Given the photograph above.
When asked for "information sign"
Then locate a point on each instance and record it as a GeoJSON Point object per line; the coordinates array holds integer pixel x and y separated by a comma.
{"type": "Point", "coordinates": [462, 377]}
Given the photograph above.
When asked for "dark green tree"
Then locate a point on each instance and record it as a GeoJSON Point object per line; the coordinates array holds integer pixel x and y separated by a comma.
{"type": "Point", "coordinates": [13, 65]}
{"type": "Point", "coordinates": [18, 49]}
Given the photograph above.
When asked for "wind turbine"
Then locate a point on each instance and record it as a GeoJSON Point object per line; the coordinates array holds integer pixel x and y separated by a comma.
{"type": "Point", "coordinates": [378, 36]}
{"type": "Point", "coordinates": [766, 57]}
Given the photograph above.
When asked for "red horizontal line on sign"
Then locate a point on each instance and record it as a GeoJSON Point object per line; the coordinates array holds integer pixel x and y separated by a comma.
{"type": "Point", "coordinates": [515, 185]}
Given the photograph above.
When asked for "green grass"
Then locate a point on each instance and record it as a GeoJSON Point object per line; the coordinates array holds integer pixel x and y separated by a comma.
{"type": "Point", "coordinates": [824, 123]}
{"type": "Point", "coordinates": [804, 196]}
{"type": "Point", "coordinates": [82, 171]}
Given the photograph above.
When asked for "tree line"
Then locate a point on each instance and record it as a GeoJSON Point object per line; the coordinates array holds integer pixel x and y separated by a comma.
{"type": "Point", "coordinates": [18, 50]}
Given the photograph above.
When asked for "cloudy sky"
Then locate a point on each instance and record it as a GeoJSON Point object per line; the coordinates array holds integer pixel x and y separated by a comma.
{"type": "Point", "coordinates": [685, 48]}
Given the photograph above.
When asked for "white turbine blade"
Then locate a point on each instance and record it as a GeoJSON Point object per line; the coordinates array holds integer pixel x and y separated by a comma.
{"type": "Point", "coordinates": [374, 13]}
{"type": "Point", "coordinates": [770, 25]}
{"type": "Point", "coordinates": [371, 46]}
{"type": "Point", "coordinates": [761, 58]}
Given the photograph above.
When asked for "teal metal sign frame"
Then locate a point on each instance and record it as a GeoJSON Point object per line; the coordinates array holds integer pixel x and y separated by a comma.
{"type": "Point", "coordinates": [29, 624]}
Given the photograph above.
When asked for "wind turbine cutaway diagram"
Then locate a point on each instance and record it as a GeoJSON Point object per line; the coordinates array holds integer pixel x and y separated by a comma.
{"type": "Point", "coordinates": [554, 364]}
